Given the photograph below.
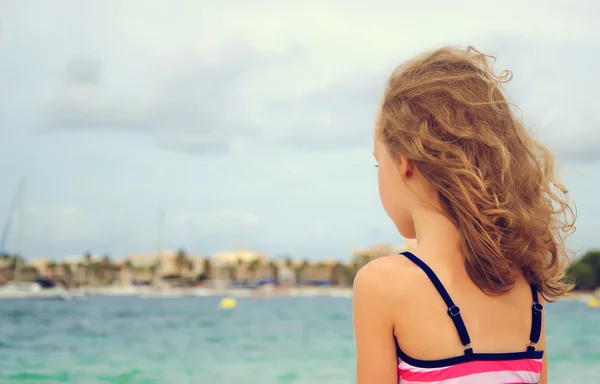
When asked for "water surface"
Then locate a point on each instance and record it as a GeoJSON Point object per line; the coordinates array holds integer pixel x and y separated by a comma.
{"type": "Point", "coordinates": [191, 340]}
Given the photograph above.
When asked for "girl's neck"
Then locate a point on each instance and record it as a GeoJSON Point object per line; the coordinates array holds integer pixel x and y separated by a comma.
{"type": "Point", "coordinates": [437, 233]}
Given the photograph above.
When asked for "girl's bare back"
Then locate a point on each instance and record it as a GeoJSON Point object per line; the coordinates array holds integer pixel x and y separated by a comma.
{"type": "Point", "coordinates": [458, 172]}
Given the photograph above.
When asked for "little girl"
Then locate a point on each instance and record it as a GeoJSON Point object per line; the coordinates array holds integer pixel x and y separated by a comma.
{"type": "Point", "coordinates": [459, 172]}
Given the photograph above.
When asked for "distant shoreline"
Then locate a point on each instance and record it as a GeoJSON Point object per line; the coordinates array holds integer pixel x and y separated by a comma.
{"type": "Point", "coordinates": [584, 296]}
{"type": "Point", "coordinates": [263, 292]}
{"type": "Point", "coordinates": [266, 291]}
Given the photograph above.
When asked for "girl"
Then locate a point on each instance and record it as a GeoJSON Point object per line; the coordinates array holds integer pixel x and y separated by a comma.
{"type": "Point", "coordinates": [458, 172]}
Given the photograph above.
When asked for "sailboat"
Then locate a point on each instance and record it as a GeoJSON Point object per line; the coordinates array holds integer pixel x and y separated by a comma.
{"type": "Point", "coordinates": [24, 290]}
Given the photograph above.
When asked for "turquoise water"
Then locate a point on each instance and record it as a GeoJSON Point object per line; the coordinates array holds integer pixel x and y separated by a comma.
{"type": "Point", "coordinates": [283, 340]}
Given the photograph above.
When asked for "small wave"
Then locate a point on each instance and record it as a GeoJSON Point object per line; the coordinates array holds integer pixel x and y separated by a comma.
{"type": "Point", "coordinates": [127, 377]}
{"type": "Point", "coordinates": [207, 323]}
{"type": "Point", "coordinates": [288, 377]}
{"type": "Point", "coordinates": [215, 339]}
{"type": "Point", "coordinates": [62, 377]}
{"type": "Point", "coordinates": [126, 314]}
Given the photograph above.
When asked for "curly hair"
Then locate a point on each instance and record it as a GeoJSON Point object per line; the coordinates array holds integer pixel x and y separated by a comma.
{"type": "Point", "coordinates": [446, 112]}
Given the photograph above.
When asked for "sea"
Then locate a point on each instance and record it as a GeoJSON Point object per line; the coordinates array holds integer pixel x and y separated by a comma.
{"type": "Point", "coordinates": [191, 340]}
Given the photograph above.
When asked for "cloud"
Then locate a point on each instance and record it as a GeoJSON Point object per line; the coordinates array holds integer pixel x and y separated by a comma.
{"type": "Point", "coordinates": [254, 132]}
{"type": "Point", "coordinates": [84, 70]}
{"type": "Point", "coordinates": [55, 226]}
{"type": "Point", "coordinates": [206, 105]}
{"type": "Point", "coordinates": [213, 222]}
{"type": "Point", "coordinates": [555, 87]}
{"type": "Point", "coordinates": [265, 79]}
{"type": "Point", "coordinates": [339, 116]}
{"type": "Point", "coordinates": [194, 105]}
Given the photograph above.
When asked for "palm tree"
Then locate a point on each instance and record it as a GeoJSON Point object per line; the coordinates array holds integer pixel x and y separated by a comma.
{"type": "Point", "coordinates": [252, 267]}
{"type": "Point", "coordinates": [341, 274]}
{"type": "Point", "coordinates": [299, 271]}
{"type": "Point", "coordinates": [16, 262]}
{"type": "Point", "coordinates": [106, 260]}
{"type": "Point", "coordinates": [106, 268]}
{"type": "Point", "coordinates": [231, 272]}
{"type": "Point", "coordinates": [235, 271]}
{"type": "Point", "coordinates": [52, 268]}
{"type": "Point", "coordinates": [364, 260]}
{"type": "Point", "coordinates": [207, 268]}
{"type": "Point", "coordinates": [153, 269]}
{"type": "Point", "coordinates": [181, 261]}
{"type": "Point", "coordinates": [5, 267]}
{"type": "Point", "coordinates": [66, 273]}
{"type": "Point", "coordinates": [274, 270]}
{"type": "Point", "coordinates": [353, 270]}
{"type": "Point", "coordinates": [87, 262]}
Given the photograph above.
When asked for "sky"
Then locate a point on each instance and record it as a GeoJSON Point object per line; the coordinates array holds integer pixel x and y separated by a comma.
{"type": "Point", "coordinates": [249, 124]}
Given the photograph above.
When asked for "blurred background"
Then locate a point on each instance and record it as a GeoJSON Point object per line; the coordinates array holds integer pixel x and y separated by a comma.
{"type": "Point", "coordinates": [187, 187]}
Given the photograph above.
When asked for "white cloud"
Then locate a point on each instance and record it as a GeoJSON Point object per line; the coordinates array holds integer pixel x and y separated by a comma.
{"type": "Point", "coordinates": [277, 101]}
{"type": "Point", "coordinates": [310, 77]}
{"type": "Point", "coordinates": [213, 222]}
{"type": "Point", "coordinates": [55, 226]}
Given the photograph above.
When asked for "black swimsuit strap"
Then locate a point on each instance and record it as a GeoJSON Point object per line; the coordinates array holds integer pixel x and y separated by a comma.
{"type": "Point", "coordinates": [453, 310]}
{"type": "Point", "coordinates": [536, 320]}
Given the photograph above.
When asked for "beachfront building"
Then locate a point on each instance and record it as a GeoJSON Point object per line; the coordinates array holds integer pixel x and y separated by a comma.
{"type": "Point", "coordinates": [361, 256]}
{"type": "Point", "coordinates": [241, 256]}
{"type": "Point", "coordinates": [12, 268]}
{"type": "Point", "coordinates": [199, 266]}
{"type": "Point", "coordinates": [241, 266]}
{"type": "Point", "coordinates": [342, 275]}
{"type": "Point", "coordinates": [285, 272]}
{"type": "Point", "coordinates": [140, 269]}
{"type": "Point", "coordinates": [169, 264]}
{"type": "Point", "coordinates": [326, 272]}
{"type": "Point", "coordinates": [175, 267]}
{"type": "Point", "coordinates": [317, 274]}
{"type": "Point", "coordinates": [41, 264]}
{"type": "Point", "coordinates": [83, 270]}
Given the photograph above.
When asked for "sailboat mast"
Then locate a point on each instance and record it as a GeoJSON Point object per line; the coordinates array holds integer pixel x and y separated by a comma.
{"type": "Point", "coordinates": [21, 219]}
{"type": "Point", "coordinates": [20, 258]}
{"type": "Point", "coordinates": [160, 223]}
{"type": "Point", "coordinates": [159, 232]}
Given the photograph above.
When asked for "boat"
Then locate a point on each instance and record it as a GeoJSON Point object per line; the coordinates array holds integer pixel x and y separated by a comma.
{"type": "Point", "coordinates": [202, 292]}
{"type": "Point", "coordinates": [340, 292]}
{"type": "Point", "coordinates": [163, 293]}
{"type": "Point", "coordinates": [32, 291]}
{"type": "Point", "coordinates": [127, 291]}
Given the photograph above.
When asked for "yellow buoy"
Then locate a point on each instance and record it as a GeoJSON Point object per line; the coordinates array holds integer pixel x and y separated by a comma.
{"type": "Point", "coordinates": [228, 302]}
{"type": "Point", "coordinates": [593, 303]}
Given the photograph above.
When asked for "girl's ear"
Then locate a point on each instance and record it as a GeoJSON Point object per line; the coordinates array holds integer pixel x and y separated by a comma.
{"type": "Point", "coordinates": [406, 167]}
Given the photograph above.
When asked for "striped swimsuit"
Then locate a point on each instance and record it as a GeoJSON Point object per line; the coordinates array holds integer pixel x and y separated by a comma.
{"type": "Point", "coordinates": [473, 368]}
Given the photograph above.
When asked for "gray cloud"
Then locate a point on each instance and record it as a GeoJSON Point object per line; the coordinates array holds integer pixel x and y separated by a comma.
{"type": "Point", "coordinates": [198, 104]}
{"type": "Point", "coordinates": [340, 116]}
{"type": "Point", "coordinates": [196, 107]}
{"type": "Point", "coordinates": [555, 85]}
{"type": "Point", "coordinates": [84, 70]}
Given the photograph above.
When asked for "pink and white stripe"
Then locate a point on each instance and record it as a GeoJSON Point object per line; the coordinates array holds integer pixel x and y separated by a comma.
{"type": "Point", "coordinates": [524, 371]}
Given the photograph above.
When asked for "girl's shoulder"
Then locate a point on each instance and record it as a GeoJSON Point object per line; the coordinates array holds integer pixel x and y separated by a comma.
{"type": "Point", "coordinates": [388, 277]}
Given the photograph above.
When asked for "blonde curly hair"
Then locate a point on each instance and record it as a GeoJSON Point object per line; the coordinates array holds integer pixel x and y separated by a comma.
{"type": "Point", "coordinates": [446, 112]}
